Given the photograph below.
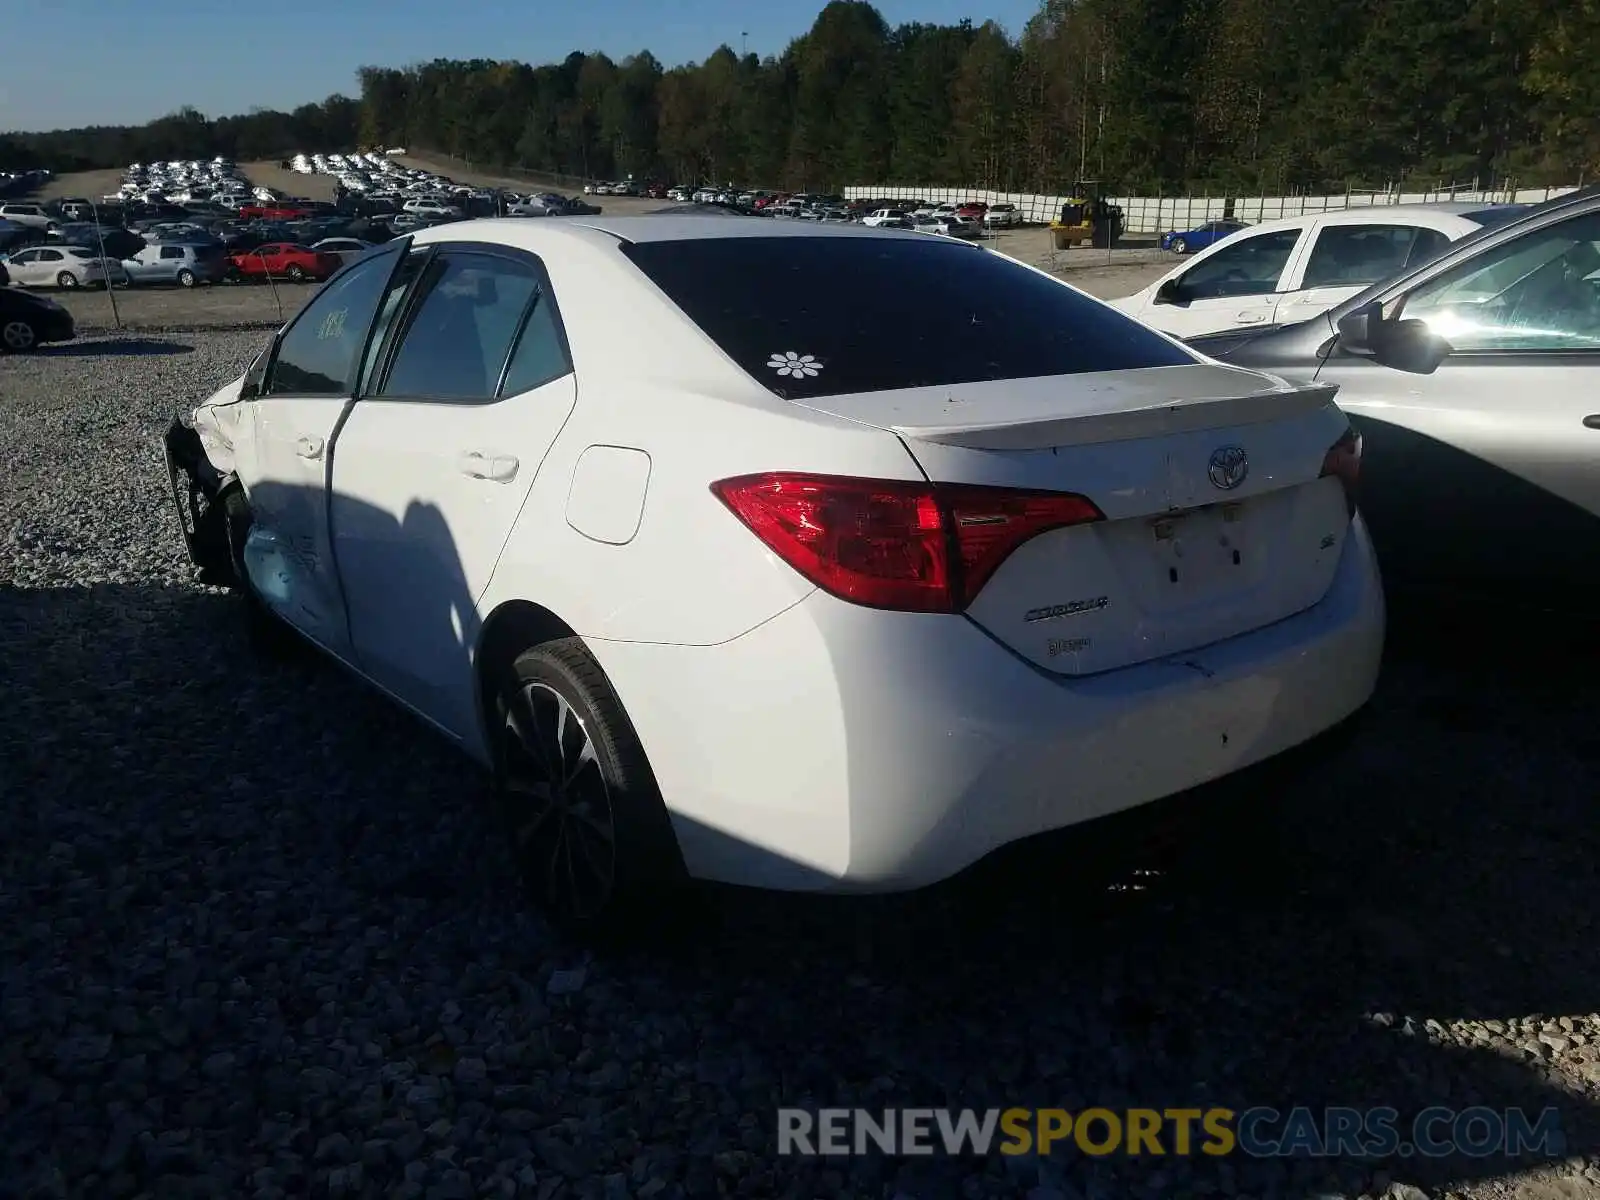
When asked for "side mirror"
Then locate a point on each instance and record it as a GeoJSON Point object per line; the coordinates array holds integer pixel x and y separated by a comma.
{"type": "Point", "coordinates": [1170, 292]}
{"type": "Point", "coordinates": [1409, 346]}
{"type": "Point", "coordinates": [1405, 345]}
{"type": "Point", "coordinates": [1355, 329]}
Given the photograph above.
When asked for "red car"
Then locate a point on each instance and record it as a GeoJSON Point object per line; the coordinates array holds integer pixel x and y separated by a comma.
{"type": "Point", "coordinates": [272, 212]}
{"type": "Point", "coordinates": [284, 260]}
{"type": "Point", "coordinates": [972, 211]}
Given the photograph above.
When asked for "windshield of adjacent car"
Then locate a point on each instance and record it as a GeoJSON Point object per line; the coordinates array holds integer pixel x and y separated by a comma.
{"type": "Point", "coordinates": [1541, 288]}
{"type": "Point", "coordinates": [825, 316]}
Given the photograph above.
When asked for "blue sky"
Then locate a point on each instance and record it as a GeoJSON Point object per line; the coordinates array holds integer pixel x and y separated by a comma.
{"type": "Point", "coordinates": [134, 60]}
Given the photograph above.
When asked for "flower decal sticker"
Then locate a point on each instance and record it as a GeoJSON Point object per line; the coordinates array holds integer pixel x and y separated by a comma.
{"type": "Point", "coordinates": [798, 366]}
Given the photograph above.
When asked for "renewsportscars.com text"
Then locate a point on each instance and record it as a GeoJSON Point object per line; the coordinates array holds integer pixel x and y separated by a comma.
{"type": "Point", "coordinates": [1259, 1132]}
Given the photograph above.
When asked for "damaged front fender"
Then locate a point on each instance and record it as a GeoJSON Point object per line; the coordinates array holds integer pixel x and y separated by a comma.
{"type": "Point", "coordinates": [207, 499]}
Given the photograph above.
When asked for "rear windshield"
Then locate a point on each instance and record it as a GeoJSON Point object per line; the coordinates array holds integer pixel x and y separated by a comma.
{"type": "Point", "coordinates": [816, 316]}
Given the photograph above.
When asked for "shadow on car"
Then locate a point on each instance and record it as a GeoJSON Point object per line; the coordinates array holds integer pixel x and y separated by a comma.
{"type": "Point", "coordinates": [1392, 931]}
{"type": "Point", "coordinates": [114, 348]}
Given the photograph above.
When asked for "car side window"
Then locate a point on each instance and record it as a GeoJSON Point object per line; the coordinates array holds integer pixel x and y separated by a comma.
{"type": "Point", "coordinates": [1248, 266]}
{"type": "Point", "coordinates": [172, 252]}
{"type": "Point", "coordinates": [540, 354]}
{"type": "Point", "coordinates": [1540, 291]}
{"type": "Point", "coordinates": [317, 353]}
{"type": "Point", "coordinates": [51, 256]}
{"type": "Point", "coordinates": [1356, 255]}
{"type": "Point", "coordinates": [1429, 244]}
{"type": "Point", "coordinates": [459, 327]}
{"type": "Point", "coordinates": [25, 257]}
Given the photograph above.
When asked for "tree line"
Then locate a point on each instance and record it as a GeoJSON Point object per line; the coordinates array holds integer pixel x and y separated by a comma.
{"type": "Point", "coordinates": [1144, 95]}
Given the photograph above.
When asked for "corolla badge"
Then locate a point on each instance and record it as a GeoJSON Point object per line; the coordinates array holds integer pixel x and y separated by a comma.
{"type": "Point", "coordinates": [1229, 467]}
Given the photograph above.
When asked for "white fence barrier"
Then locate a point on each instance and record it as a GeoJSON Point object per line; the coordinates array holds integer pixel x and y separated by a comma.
{"type": "Point", "coordinates": [1158, 214]}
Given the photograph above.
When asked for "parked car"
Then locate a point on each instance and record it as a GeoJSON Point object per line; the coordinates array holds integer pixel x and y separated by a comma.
{"type": "Point", "coordinates": [27, 213]}
{"type": "Point", "coordinates": [183, 263]}
{"type": "Point", "coordinates": [1122, 545]}
{"type": "Point", "coordinates": [345, 248]}
{"type": "Point", "coordinates": [273, 212]}
{"type": "Point", "coordinates": [1474, 381]}
{"type": "Point", "coordinates": [1280, 272]}
{"type": "Point", "coordinates": [63, 267]}
{"type": "Point", "coordinates": [27, 322]}
{"type": "Point", "coordinates": [894, 218]}
{"type": "Point", "coordinates": [284, 260]}
{"type": "Point", "coordinates": [1002, 216]}
{"type": "Point", "coordinates": [1189, 241]}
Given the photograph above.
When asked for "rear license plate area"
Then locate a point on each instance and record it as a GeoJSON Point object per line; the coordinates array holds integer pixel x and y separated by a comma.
{"type": "Point", "coordinates": [1203, 549]}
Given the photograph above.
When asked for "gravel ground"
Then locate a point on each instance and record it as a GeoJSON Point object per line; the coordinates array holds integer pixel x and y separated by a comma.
{"type": "Point", "coordinates": [247, 949]}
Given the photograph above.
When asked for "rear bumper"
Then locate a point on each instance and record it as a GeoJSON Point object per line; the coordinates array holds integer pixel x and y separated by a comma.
{"type": "Point", "coordinates": [840, 749]}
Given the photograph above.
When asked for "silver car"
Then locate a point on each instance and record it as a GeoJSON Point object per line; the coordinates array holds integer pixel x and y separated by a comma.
{"type": "Point", "coordinates": [183, 263]}
{"type": "Point", "coordinates": [346, 248]}
{"type": "Point", "coordinates": [63, 267]}
{"type": "Point", "coordinates": [1474, 381]}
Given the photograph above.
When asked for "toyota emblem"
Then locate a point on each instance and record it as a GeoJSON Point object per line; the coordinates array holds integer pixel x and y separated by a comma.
{"type": "Point", "coordinates": [1229, 466]}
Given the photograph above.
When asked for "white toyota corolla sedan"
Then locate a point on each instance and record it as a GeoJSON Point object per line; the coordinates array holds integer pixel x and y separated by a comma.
{"type": "Point", "coordinates": [792, 555]}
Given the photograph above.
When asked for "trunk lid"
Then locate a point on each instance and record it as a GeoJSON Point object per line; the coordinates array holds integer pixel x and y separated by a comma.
{"type": "Point", "coordinates": [1217, 518]}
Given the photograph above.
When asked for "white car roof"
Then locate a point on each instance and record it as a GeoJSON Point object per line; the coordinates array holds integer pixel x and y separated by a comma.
{"type": "Point", "coordinates": [1448, 217]}
{"type": "Point", "coordinates": [666, 227]}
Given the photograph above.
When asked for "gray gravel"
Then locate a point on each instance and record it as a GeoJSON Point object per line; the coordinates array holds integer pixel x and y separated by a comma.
{"type": "Point", "coordinates": [257, 939]}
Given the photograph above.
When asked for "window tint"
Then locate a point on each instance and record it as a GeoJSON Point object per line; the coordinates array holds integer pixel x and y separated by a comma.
{"type": "Point", "coordinates": [1245, 266]}
{"type": "Point", "coordinates": [877, 313]}
{"type": "Point", "coordinates": [1430, 244]}
{"type": "Point", "coordinates": [1540, 291]}
{"type": "Point", "coordinates": [398, 289]}
{"type": "Point", "coordinates": [539, 356]}
{"type": "Point", "coordinates": [51, 256]}
{"type": "Point", "coordinates": [459, 329]}
{"type": "Point", "coordinates": [172, 252]}
{"type": "Point", "coordinates": [1356, 255]}
{"type": "Point", "coordinates": [319, 350]}
{"type": "Point", "coordinates": [25, 257]}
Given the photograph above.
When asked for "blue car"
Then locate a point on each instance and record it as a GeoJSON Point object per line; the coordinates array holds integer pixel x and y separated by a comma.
{"type": "Point", "coordinates": [1200, 237]}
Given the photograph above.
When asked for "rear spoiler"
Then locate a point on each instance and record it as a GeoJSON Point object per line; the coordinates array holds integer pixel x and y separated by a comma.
{"type": "Point", "coordinates": [1183, 416]}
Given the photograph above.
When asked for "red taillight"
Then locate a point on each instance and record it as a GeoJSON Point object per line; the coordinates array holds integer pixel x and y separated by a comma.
{"type": "Point", "coordinates": [916, 547]}
{"type": "Point", "coordinates": [1343, 461]}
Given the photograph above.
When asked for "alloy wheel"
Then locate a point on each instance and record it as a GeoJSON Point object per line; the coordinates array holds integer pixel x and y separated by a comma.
{"type": "Point", "coordinates": [562, 825]}
{"type": "Point", "coordinates": [17, 335]}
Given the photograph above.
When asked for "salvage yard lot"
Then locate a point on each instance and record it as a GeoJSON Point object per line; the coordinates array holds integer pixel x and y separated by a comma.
{"type": "Point", "coordinates": [247, 945]}
{"type": "Point", "coordinates": [1099, 272]}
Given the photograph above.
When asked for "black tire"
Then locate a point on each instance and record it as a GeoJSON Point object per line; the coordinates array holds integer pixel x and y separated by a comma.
{"type": "Point", "coordinates": [296, 273]}
{"type": "Point", "coordinates": [1179, 246]}
{"type": "Point", "coordinates": [18, 336]}
{"type": "Point", "coordinates": [186, 278]}
{"type": "Point", "coordinates": [66, 280]}
{"type": "Point", "coordinates": [553, 833]}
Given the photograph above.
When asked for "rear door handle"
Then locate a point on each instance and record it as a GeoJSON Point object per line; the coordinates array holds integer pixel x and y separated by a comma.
{"type": "Point", "coordinates": [497, 468]}
{"type": "Point", "coordinates": [1592, 421]}
{"type": "Point", "coordinates": [309, 447]}
{"type": "Point", "coordinates": [1250, 318]}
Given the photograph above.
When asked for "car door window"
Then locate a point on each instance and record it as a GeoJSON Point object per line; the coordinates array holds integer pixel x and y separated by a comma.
{"type": "Point", "coordinates": [1540, 291]}
{"type": "Point", "coordinates": [1242, 267]}
{"type": "Point", "coordinates": [51, 256]}
{"type": "Point", "coordinates": [24, 258]}
{"type": "Point", "coordinates": [399, 288]}
{"type": "Point", "coordinates": [171, 252]}
{"type": "Point", "coordinates": [317, 354]}
{"type": "Point", "coordinates": [1429, 244]}
{"type": "Point", "coordinates": [1358, 255]}
{"type": "Point", "coordinates": [459, 328]}
{"type": "Point", "coordinates": [541, 352]}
